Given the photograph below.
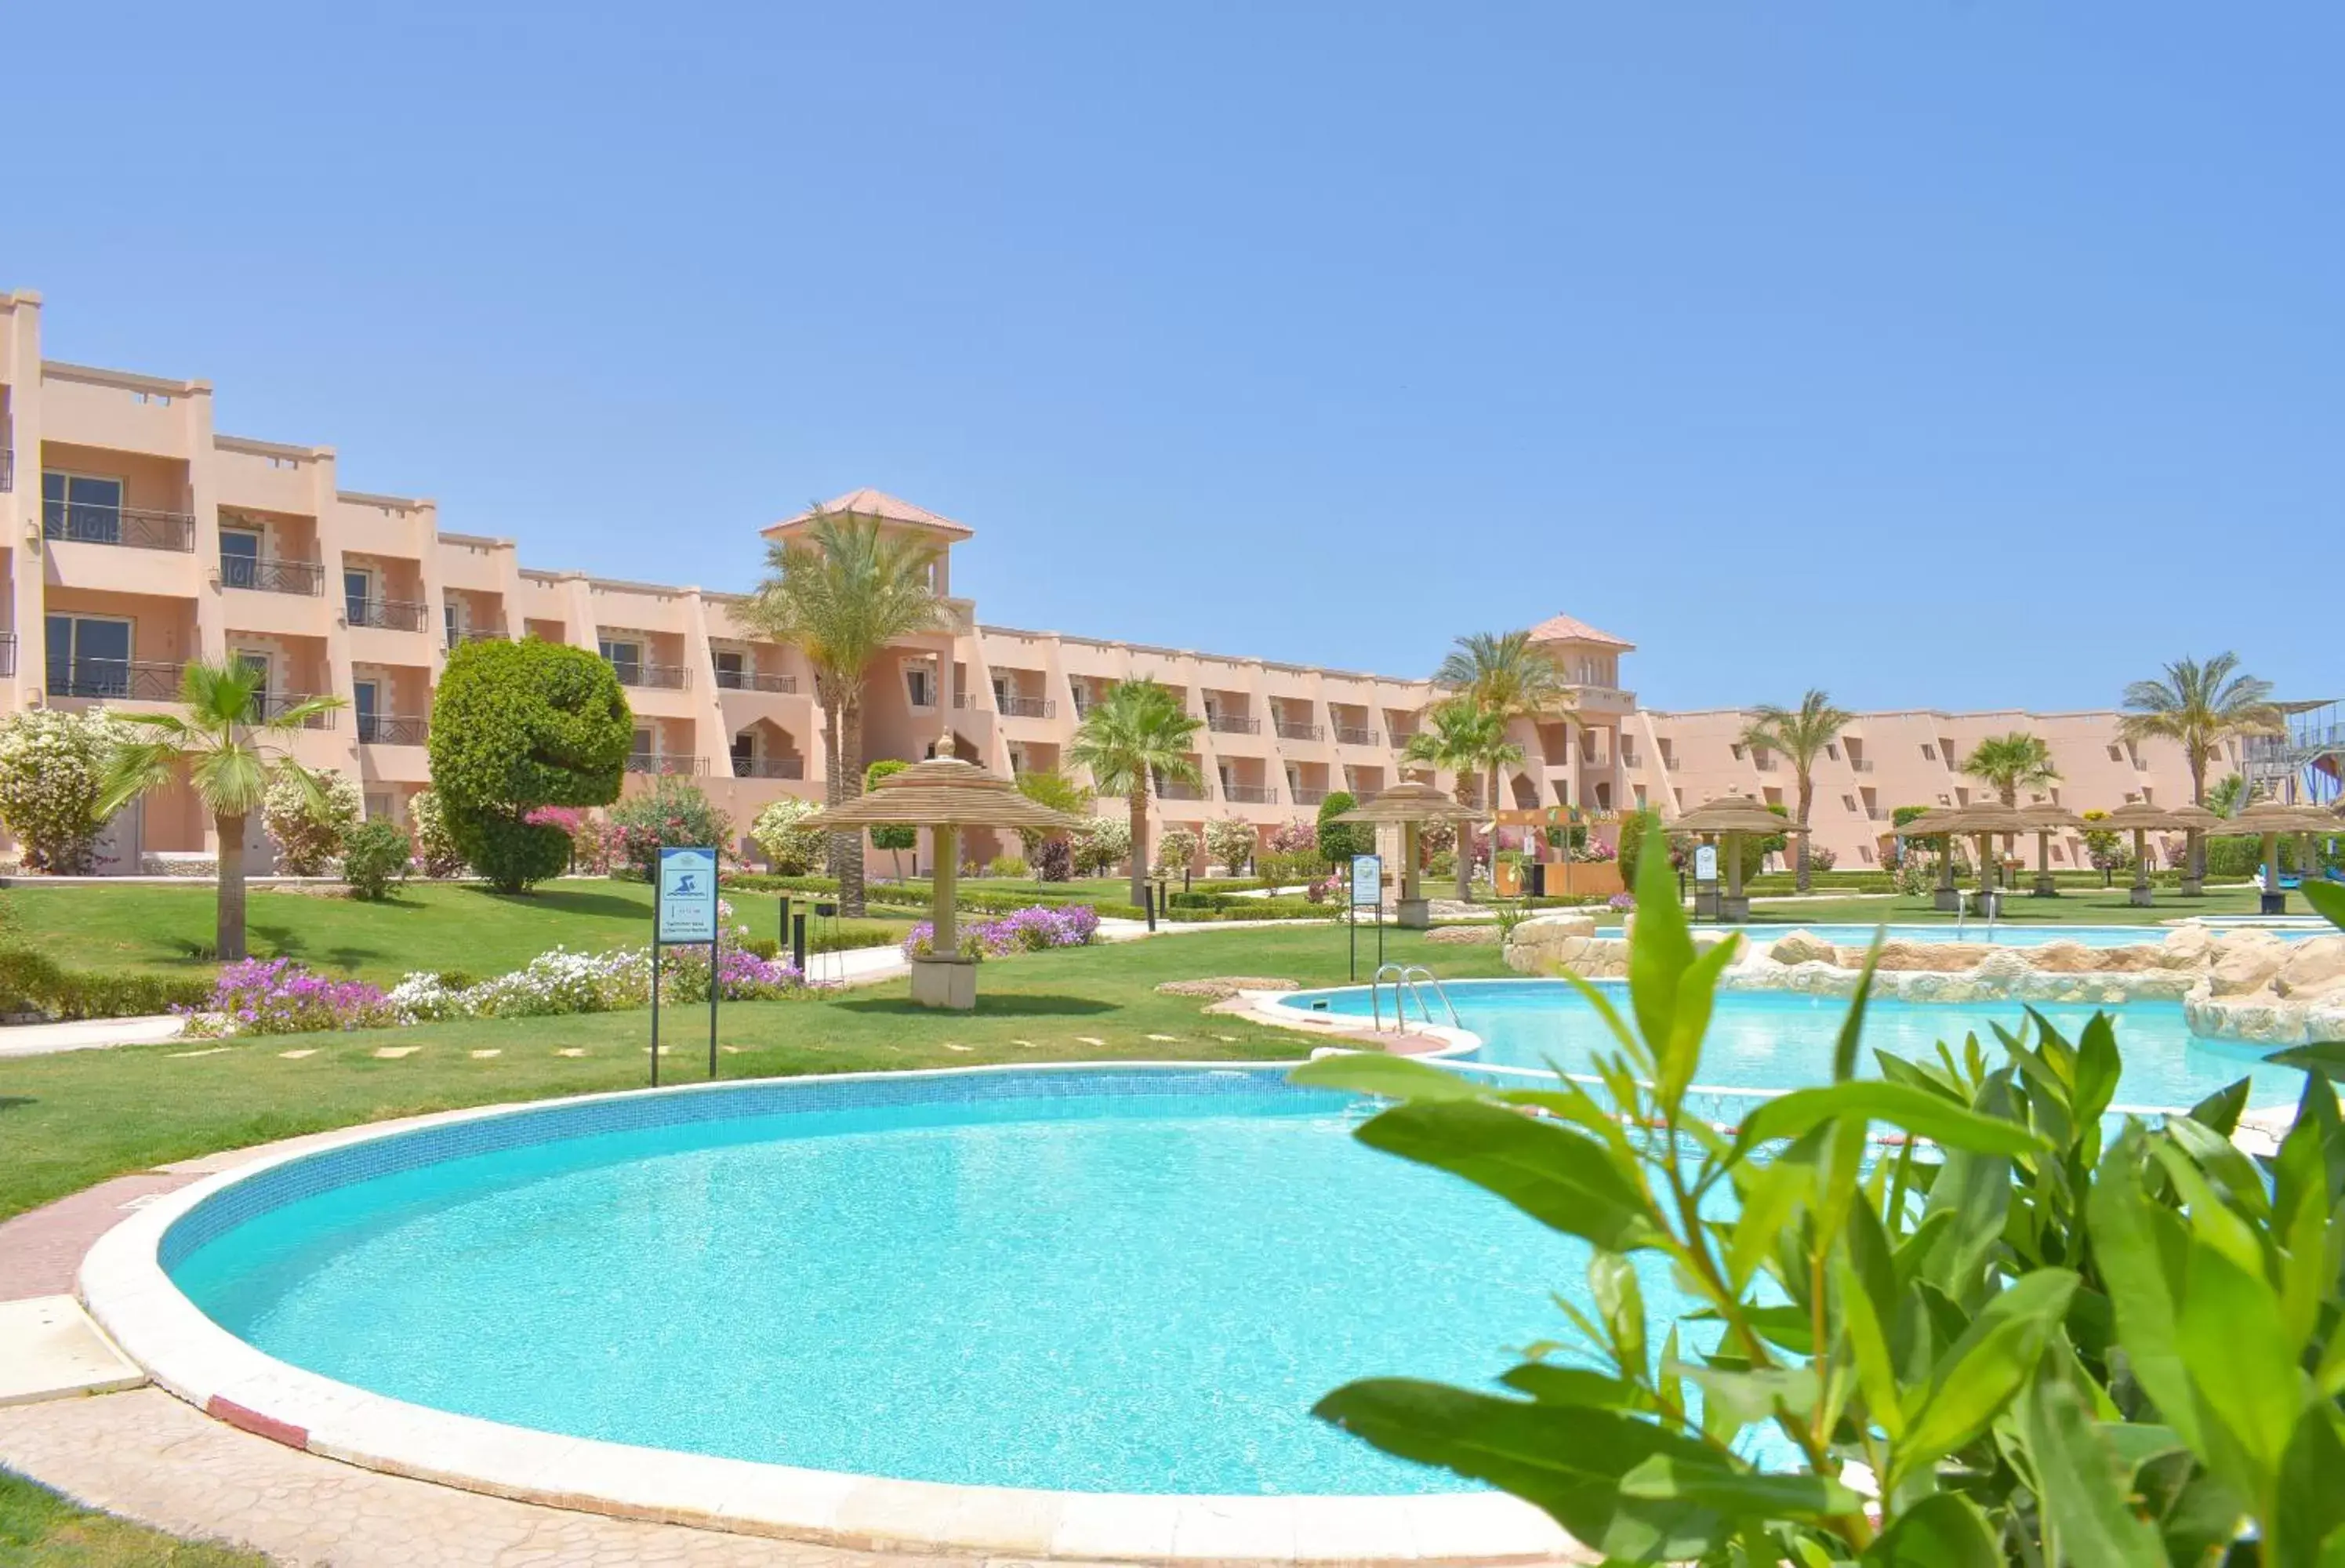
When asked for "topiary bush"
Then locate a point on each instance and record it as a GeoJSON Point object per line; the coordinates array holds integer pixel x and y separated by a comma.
{"type": "Point", "coordinates": [673, 814]}
{"type": "Point", "coordinates": [895, 837]}
{"type": "Point", "coordinates": [308, 833]}
{"type": "Point", "coordinates": [1176, 848]}
{"type": "Point", "coordinates": [518, 725]}
{"type": "Point", "coordinates": [789, 846]}
{"type": "Point", "coordinates": [435, 846]}
{"type": "Point", "coordinates": [1337, 841]}
{"type": "Point", "coordinates": [1231, 841]}
{"type": "Point", "coordinates": [51, 772]}
{"type": "Point", "coordinates": [374, 855]}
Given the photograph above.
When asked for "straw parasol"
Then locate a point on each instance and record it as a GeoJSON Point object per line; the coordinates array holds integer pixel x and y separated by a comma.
{"type": "Point", "coordinates": [943, 795]}
{"type": "Point", "coordinates": [2269, 819]}
{"type": "Point", "coordinates": [1729, 817]}
{"type": "Point", "coordinates": [1936, 822]}
{"type": "Point", "coordinates": [2196, 822]}
{"type": "Point", "coordinates": [2141, 819]}
{"type": "Point", "coordinates": [1405, 805]}
{"type": "Point", "coordinates": [2043, 821]}
{"type": "Point", "coordinates": [1984, 820]}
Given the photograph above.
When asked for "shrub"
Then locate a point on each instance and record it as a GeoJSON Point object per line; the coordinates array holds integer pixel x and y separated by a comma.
{"type": "Point", "coordinates": [1277, 869]}
{"type": "Point", "coordinates": [1054, 860]}
{"type": "Point", "coordinates": [435, 846]}
{"type": "Point", "coordinates": [921, 942]}
{"type": "Point", "coordinates": [672, 814]}
{"type": "Point", "coordinates": [1007, 867]}
{"type": "Point", "coordinates": [1337, 841]}
{"type": "Point", "coordinates": [1820, 858]}
{"type": "Point", "coordinates": [308, 833]}
{"type": "Point", "coordinates": [1435, 838]}
{"type": "Point", "coordinates": [52, 774]}
{"type": "Point", "coordinates": [1027, 930]}
{"type": "Point", "coordinates": [1176, 848]}
{"type": "Point", "coordinates": [374, 854]}
{"type": "Point", "coordinates": [1059, 793]}
{"type": "Point", "coordinates": [518, 725]}
{"type": "Point", "coordinates": [33, 982]}
{"type": "Point", "coordinates": [279, 997]}
{"type": "Point", "coordinates": [1231, 841]}
{"type": "Point", "coordinates": [1294, 837]}
{"type": "Point", "coordinates": [895, 837]}
{"type": "Point", "coordinates": [1102, 845]}
{"type": "Point", "coordinates": [594, 844]}
{"type": "Point", "coordinates": [781, 836]}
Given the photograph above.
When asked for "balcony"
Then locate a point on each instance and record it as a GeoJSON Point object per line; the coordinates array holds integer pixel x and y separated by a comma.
{"type": "Point", "coordinates": [645, 763]}
{"type": "Point", "coordinates": [769, 767]}
{"type": "Point", "coordinates": [1348, 736]}
{"type": "Point", "coordinates": [1026, 707]}
{"type": "Point", "coordinates": [1876, 814]}
{"type": "Point", "coordinates": [753, 681]}
{"type": "Point", "coordinates": [1308, 795]}
{"type": "Point", "coordinates": [390, 614]}
{"type": "Point", "coordinates": [130, 528]}
{"type": "Point", "coordinates": [1402, 737]}
{"type": "Point", "coordinates": [8, 471]}
{"type": "Point", "coordinates": [7, 653]}
{"type": "Point", "coordinates": [273, 574]}
{"type": "Point", "coordinates": [392, 730]}
{"type": "Point", "coordinates": [1174, 789]}
{"type": "Point", "coordinates": [1294, 731]}
{"type": "Point", "coordinates": [1250, 795]}
{"type": "Point", "coordinates": [458, 638]}
{"type": "Point", "coordinates": [270, 706]}
{"type": "Point", "coordinates": [118, 680]}
{"type": "Point", "coordinates": [1230, 725]}
{"type": "Point", "coordinates": [666, 677]}
{"type": "Point", "coordinates": [1764, 764]}
{"type": "Point", "coordinates": [1860, 765]}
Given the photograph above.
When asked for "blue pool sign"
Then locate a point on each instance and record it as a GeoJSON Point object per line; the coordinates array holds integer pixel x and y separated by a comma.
{"type": "Point", "coordinates": [1368, 880]}
{"type": "Point", "coordinates": [688, 895]}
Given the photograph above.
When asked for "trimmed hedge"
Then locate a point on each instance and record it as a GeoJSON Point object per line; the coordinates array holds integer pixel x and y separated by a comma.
{"type": "Point", "coordinates": [33, 982]}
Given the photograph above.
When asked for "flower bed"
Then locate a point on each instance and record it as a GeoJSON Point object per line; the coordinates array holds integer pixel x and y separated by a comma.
{"type": "Point", "coordinates": [1029, 930]}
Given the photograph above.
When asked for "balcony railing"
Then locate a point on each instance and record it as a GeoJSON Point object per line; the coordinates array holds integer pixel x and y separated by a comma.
{"type": "Point", "coordinates": [1346, 734]}
{"type": "Point", "coordinates": [271, 705]}
{"type": "Point", "coordinates": [1232, 725]}
{"type": "Point", "coordinates": [476, 635]}
{"type": "Point", "coordinates": [1174, 789]}
{"type": "Point", "coordinates": [119, 680]}
{"type": "Point", "coordinates": [7, 653]}
{"type": "Point", "coordinates": [129, 527]}
{"type": "Point", "coordinates": [754, 681]}
{"type": "Point", "coordinates": [272, 574]}
{"type": "Point", "coordinates": [7, 470]}
{"type": "Point", "coordinates": [1764, 764]}
{"type": "Point", "coordinates": [1250, 795]}
{"type": "Point", "coordinates": [390, 614]}
{"type": "Point", "coordinates": [1860, 765]}
{"type": "Point", "coordinates": [1026, 707]}
{"type": "Point", "coordinates": [769, 767]}
{"type": "Point", "coordinates": [643, 763]}
{"type": "Point", "coordinates": [1876, 814]}
{"type": "Point", "coordinates": [1306, 794]}
{"type": "Point", "coordinates": [1400, 737]}
{"type": "Point", "coordinates": [393, 730]}
{"type": "Point", "coordinates": [668, 677]}
{"type": "Point", "coordinates": [1289, 731]}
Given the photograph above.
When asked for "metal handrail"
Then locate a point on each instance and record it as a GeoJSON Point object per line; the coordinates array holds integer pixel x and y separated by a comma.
{"type": "Point", "coordinates": [668, 677]}
{"type": "Point", "coordinates": [476, 635]}
{"type": "Point", "coordinates": [643, 763]}
{"type": "Point", "coordinates": [1309, 795]}
{"type": "Point", "coordinates": [1406, 975]}
{"type": "Point", "coordinates": [390, 614]}
{"type": "Point", "coordinates": [7, 470]}
{"type": "Point", "coordinates": [1233, 723]}
{"type": "Point", "coordinates": [272, 574]}
{"type": "Point", "coordinates": [1348, 736]}
{"type": "Point", "coordinates": [754, 681]}
{"type": "Point", "coordinates": [7, 653]}
{"type": "Point", "coordinates": [393, 730]}
{"type": "Point", "coordinates": [769, 767]}
{"type": "Point", "coordinates": [1288, 731]}
{"type": "Point", "coordinates": [1250, 795]}
{"type": "Point", "coordinates": [119, 678]}
{"type": "Point", "coordinates": [268, 705]}
{"type": "Point", "coordinates": [130, 528]}
{"type": "Point", "coordinates": [1027, 707]}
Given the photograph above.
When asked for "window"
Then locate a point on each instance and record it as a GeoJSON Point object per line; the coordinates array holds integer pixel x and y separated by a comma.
{"type": "Point", "coordinates": [379, 808]}
{"type": "Point", "coordinates": [1639, 790]}
{"type": "Point", "coordinates": [645, 744]}
{"type": "Point", "coordinates": [626, 658]}
{"type": "Point", "coordinates": [89, 657]}
{"type": "Point", "coordinates": [78, 506]}
{"type": "Point", "coordinates": [262, 665]}
{"type": "Point", "coordinates": [1737, 749]}
{"type": "Point", "coordinates": [1929, 753]}
{"type": "Point", "coordinates": [919, 685]}
{"type": "Point", "coordinates": [455, 623]}
{"type": "Point", "coordinates": [732, 670]}
{"type": "Point", "coordinates": [1848, 802]}
{"type": "Point", "coordinates": [358, 595]}
{"type": "Point", "coordinates": [1831, 750]}
{"type": "Point", "coordinates": [1001, 694]}
{"type": "Point", "coordinates": [240, 557]}
{"type": "Point", "coordinates": [1864, 853]}
{"type": "Point", "coordinates": [366, 703]}
{"type": "Point", "coordinates": [2117, 753]}
{"type": "Point", "coordinates": [745, 752]}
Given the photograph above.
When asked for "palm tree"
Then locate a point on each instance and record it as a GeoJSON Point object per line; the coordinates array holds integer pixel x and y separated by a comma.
{"type": "Point", "coordinates": [841, 592]}
{"type": "Point", "coordinates": [223, 745]}
{"type": "Point", "coordinates": [2196, 706]}
{"type": "Point", "coordinates": [1138, 731]}
{"type": "Point", "coordinates": [1464, 738]}
{"type": "Point", "coordinates": [1507, 674]}
{"type": "Point", "coordinates": [1801, 733]}
{"type": "Point", "coordinates": [2008, 764]}
{"type": "Point", "coordinates": [2229, 796]}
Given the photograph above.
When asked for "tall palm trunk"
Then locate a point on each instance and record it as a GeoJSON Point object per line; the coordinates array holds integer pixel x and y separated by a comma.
{"type": "Point", "coordinates": [228, 935]}
{"type": "Point", "coordinates": [832, 794]}
{"type": "Point", "coordinates": [1465, 847]}
{"type": "Point", "coordinates": [1138, 801]}
{"type": "Point", "coordinates": [1807, 799]}
{"type": "Point", "coordinates": [850, 779]}
{"type": "Point", "coordinates": [1493, 803]}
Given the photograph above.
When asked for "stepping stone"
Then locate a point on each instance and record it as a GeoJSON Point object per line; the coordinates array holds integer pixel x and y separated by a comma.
{"type": "Point", "coordinates": [664, 1050]}
{"type": "Point", "coordinates": [730, 1051]}
{"type": "Point", "coordinates": [950, 1046]}
{"type": "Point", "coordinates": [296, 1055]}
{"type": "Point", "coordinates": [1227, 1039]}
{"type": "Point", "coordinates": [484, 1055]}
{"type": "Point", "coordinates": [392, 1053]}
{"type": "Point", "coordinates": [1026, 1045]}
{"type": "Point", "coordinates": [212, 1051]}
{"type": "Point", "coordinates": [1168, 1039]}
{"type": "Point", "coordinates": [1089, 1040]}
{"type": "Point", "coordinates": [570, 1051]}
{"type": "Point", "coordinates": [49, 1349]}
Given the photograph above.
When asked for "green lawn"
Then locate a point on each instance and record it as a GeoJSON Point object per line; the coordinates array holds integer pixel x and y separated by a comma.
{"type": "Point", "coordinates": [423, 925]}
{"type": "Point", "coordinates": [73, 1120]}
{"type": "Point", "coordinates": [38, 1529]}
{"type": "Point", "coordinates": [2075, 906]}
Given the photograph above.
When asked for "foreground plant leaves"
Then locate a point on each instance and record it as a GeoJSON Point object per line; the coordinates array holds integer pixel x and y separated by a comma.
{"type": "Point", "coordinates": [1555, 1174]}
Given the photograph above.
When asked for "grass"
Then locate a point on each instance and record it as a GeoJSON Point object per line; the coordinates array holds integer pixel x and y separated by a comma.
{"type": "Point", "coordinates": [38, 1529]}
{"type": "Point", "coordinates": [73, 1120]}
{"type": "Point", "coordinates": [423, 925]}
{"type": "Point", "coordinates": [2075, 906]}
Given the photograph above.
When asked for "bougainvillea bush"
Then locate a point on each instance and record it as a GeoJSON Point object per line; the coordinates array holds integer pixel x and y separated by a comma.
{"type": "Point", "coordinates": [52, 771]}
{"type": "Point", "coordinates": [675, 813]}
{"type": "Point", "coordinates": [308, 833]}
{"type": "Point", "coordinates": [279, 997]}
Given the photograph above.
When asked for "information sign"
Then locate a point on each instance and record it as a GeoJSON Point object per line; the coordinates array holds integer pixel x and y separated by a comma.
{"type": "Point", "coordinates": [688, 896]}
{"type": "Point", "coordinates": [1705, 862]}
{"type": "Point", "coordinates": [1368, 880]}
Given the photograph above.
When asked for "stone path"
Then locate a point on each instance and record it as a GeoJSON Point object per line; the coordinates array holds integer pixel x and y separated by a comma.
{"type": "Point", "coordinates": [87, 1035]}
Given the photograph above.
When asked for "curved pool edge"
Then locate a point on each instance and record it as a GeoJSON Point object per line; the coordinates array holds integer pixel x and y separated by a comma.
{"type": "Point", "coordinates": [123, 1285]}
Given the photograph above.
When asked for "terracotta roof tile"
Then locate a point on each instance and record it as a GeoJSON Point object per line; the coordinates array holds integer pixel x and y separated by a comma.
{"type": "Point", "coordinates": [1565, 629]}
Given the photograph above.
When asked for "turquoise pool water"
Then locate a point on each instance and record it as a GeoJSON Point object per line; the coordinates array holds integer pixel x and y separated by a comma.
{"type": "Point", "coordinates": [1779, 1040]}
{"type": "Point", "coordinates": [2005, 936]}
{"type": "Point", "coordinates": [1078, 1292]}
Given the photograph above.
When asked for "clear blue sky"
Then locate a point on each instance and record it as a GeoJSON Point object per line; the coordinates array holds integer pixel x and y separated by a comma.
{"type": "Point", "coordinates": [1752, 333]}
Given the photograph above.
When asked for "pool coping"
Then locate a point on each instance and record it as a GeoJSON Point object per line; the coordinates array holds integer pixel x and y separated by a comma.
{"type": "Point", "coordinates": [125, 1289]}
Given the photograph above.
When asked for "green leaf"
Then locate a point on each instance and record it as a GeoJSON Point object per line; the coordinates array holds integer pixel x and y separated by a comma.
{"type": "Point", "coordinates": [1567, 1459]}
{"type": "Point", "coordinates": [1385, 1076]}
{"type": "Point", "coordinates": [2098, 1068]}
{"type": "Point", "coordinates": [2327, 898]}
{"type": "Point", "coordinates": [2220, 1110]}
{"type": "Point", "coordinates": [1555, 1385]}
{"type": "Point", "coordinates": [2122, 1224]}
{"type": "Point", "coordinates": [1975, 1189]}
{"type": "Point", "coordinates": [1555, 1174]}
{"type": "Point", "coordinates": [2240, 1362]}
{"type": "Point", "coordinates": [1868, 1348]}
{"type": "Point", "coordinates": [1917, 1111]}
{"type": "Point", "coordinates": [1661, 952]}
{"type": "Point", "coordinates": [2326, 1058]}
{"type": "Point", "coordinates": [1982, 1372]}
{"type": "Point", "coordinates": [2242, 1185]}
{"type": "Point", "coordinates": [2311, 1488]}
{"type": "Point", "coordinates": [1739, 1492]}
{"type": "Point", "coordinates": [1944, 1529]}
{"type": "Point", "coordinates": [1620, 1306]}
{"type": "Point", "coordinates": [1851, 1027]}
{"type": "Point", "coordinates": [1689, 1021]}
{"type": "Point", "coordinates": [2084, 1487]}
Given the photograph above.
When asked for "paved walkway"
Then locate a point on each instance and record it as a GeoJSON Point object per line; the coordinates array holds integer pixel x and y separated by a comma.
{"type": "Point", "coordinates": [88, 1035]}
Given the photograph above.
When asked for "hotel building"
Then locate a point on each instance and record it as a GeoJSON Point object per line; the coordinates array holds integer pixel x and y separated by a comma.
{"type": "Point", "coordinates": [135, 537]}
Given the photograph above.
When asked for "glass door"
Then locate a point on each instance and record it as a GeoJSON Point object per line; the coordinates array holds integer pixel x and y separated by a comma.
{"type": "Point", "coordinates": [358, 597]}
{"type": "Point", "coordinates": [87, 656]}
{"type": "Point", "coordinates": [240, 557]}
{"type": "Point", "coordinates": [365, 700]}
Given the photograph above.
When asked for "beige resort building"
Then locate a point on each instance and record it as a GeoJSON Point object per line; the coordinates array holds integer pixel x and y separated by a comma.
{"type": "Point", "coordinates": [134, 537]}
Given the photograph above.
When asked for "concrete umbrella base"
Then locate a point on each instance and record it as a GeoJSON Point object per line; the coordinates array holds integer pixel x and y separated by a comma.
{"type": "Point", "coordinates": [1413, 914]}
{"type": "Point", "coordinates": [948, 983]}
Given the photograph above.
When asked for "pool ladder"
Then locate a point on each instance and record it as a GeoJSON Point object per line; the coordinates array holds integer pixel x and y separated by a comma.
{"type": "Point", "coordinates": [1992, 898]}
{"type": "Point", "coordinates": [1408, 976]}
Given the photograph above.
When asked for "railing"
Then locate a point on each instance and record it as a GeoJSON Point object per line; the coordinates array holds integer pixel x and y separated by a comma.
{"type": "Point", "coordinates": [754, 681]}
{"type": "Point", "coordinates": [119, 678]}
{"type": "Point", "coordinates": [1402, 737]}
{"type": "Point", "coordinates": [127, 527]}
{"type": "Point", "coordinates": [1764, 764]}
{"type": "Point", "coordinates": [639, 762]}
{"type": "Point", "coordinates": [1860, 765]}
{"type": "Point", "coordinates": [1174, 789]}
{"type": "Point", "coordinates": [1876, 814]}
{"type": "Point", "coordinates": [7, 470]}
{"type": "Point", "coordinates": [1305, 795]}
{"type": "Point", "coordinates": [390, 614]}
{"type": "Point", "coordinates": [7, 653]}
{"type": "Point", "coordinates": [1293, 732]}
{"type": "Point", "coordinates": [1627, 759]}
{"type": "Point", "coordinates": [1347, 735]}
{"type": "Point", "coordinates": [271, 705]}
{"type": "Point", "coordinates": [476, 635]}
{"type": "Point", "coordinates": [668, 677]}
{"type": "Point", "coordinates": [1026, 707]}
{"type": "Point", "coordinates": [769, 767]}
{"type": "Point", "coordinates": [1231, 723]}
{"type": "Point", "coordinates": [1250, 795]}
{"type": "Point", "coordinates": [392, 730]}
{"type": "Point", "coordinates": [272, 574]}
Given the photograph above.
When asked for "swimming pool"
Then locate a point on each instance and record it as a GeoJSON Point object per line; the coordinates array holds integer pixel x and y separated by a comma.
{"type": "Point", "coordinates": [1783, 1039]}
{"type": "Point", "coordinates": [2004, 935]}
{"type": "Point", "coordinates": [1090, 1280]}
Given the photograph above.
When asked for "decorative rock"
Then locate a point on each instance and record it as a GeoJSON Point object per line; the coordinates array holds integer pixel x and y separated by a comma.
{"type": "Point", "coordinates": [1944, 956]}
{"type": "Point", "coordinates": [2188, 947]}
{"type": "Point", "coordinates": [1803, 948]}
{"type": "Point", "coordinates": [1463, 935]}
{"type": "Point", "coordinates": [1221, 988]}
{"type": "Point", "coordinates": [2245, 961]}
{"type": "Point", "coordinates": [2315, 968]}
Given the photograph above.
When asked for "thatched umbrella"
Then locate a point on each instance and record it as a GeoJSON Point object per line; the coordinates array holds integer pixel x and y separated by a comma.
{"type": "Point", "coordinates": [2043, 821]}
{"type": "Point", "coordinates": [1933, 824]}
{"type": "Point", "coordinates": [943, 795]}
{"type": "Point", "coordinates": [2196, 822]}
{"type": "Point", "coordinates": [2269, 819]}
{"type": "Point", "coordinates": [1408, 805]}
{"type": "Point", "coordinates": [1984, 820]}
{"type": "Point", "coordinates": [1729, 817]}
{"type": "Point", "coordinates": [2141, 819]}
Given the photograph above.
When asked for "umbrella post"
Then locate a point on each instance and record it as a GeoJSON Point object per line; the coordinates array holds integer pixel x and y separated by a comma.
{"type": "Point", "coordinates": [2194, 866]}
{"type": "Point", "coordinates": [2138, 894]}
{"type": "Point", "coordinates": [944, 978]}
{"type": "Point", "coordinates": [1734, 908]}
{"type": "Point", "coordinates": [2273, 902]}
{"type": "Point", "coordinates": [1412, 909]}
{"type": "Point", "coordinates": [2044, 886]}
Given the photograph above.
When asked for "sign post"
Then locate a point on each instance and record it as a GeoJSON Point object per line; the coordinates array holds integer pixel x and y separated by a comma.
{"type": "Point", "coordinates": [1367, 887]}
{"type": "Point", "coordinates": [1705, 882]}
{"type": "Point", "coordinates": [684, 914]}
